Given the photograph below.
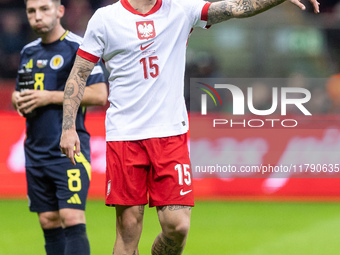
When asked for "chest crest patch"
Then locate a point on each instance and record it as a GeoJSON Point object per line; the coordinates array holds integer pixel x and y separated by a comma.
{"type": "Point", "coordinates": [56, 62]}
{"type": "Point", "coordinates": [145, 30]}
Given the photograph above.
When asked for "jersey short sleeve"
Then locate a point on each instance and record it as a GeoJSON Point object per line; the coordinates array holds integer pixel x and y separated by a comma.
{"type": "Point", "coordinates": [93, 44]}
{"type": "Point", "coordinates": [197, 12]}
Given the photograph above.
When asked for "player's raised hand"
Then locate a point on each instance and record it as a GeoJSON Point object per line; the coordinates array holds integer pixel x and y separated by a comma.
{"type": "Point", "coordinates": [70, 144]}
{"type": "Point", "coordinates": [315, 4]}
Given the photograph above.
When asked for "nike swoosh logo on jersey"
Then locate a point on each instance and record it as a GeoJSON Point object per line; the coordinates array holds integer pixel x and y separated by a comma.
{"type": "Point", "coordinates": [145, 47]}
{"type": "Point", "coordinates": [182, 193]}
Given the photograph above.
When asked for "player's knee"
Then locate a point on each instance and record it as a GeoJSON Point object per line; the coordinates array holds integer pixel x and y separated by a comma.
{"type": "Point", "coordinates": [178, 230]}
{"type": "Point", "coordinates": [182, 229]}
{"type": "Point", "coordinates": [49, 220]}
{"type": "Point", "coordinates": [129, 228]}
{"type": "Point", "coordinates": [129, 224]}
{"type": "Point", "coordinates": [72, 217]}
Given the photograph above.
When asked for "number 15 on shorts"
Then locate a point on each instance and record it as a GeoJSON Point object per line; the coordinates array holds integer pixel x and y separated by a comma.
{"type": "Point", "coordinates": [183, 174]}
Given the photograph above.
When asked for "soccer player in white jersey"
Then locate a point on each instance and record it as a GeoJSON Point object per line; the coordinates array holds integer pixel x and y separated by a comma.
{"type": "Point", "coordinates": [143, 44]}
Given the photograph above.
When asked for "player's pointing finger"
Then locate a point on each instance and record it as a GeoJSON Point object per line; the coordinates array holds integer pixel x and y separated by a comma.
{"type": "Point", "coordinates": [315, 5]}
{"type": "Point", "coordinates": [298, 4]}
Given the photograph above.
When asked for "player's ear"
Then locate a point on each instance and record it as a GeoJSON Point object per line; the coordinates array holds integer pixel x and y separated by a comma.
{"type": "Point", "coordinates": [61, 11]}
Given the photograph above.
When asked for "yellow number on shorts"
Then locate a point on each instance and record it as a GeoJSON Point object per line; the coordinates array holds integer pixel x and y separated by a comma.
{"type": "Point", "coordinates": [39, 81]}
{"type": "Point", "coordinates": [74, 182]}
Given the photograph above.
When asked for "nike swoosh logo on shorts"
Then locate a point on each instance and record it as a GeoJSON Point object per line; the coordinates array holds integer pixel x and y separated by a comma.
{"type": "Point", "coordinates": [145, 47]}
{"type": "Point", "coordinates": [182, 193]}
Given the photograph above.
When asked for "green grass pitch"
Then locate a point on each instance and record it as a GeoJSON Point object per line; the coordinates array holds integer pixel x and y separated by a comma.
{"type": "Point", "coordinates": [234, 227]}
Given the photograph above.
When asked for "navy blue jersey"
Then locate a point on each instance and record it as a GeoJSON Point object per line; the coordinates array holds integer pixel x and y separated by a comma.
{"type": "Point", "coordinates": [51, 65]}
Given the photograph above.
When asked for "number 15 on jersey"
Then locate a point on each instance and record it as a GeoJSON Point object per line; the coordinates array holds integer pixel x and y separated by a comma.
{"type": "Point", "coordinates": [150, 67]}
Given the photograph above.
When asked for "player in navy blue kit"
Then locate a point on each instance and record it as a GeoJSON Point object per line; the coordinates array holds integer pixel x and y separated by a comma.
{"type": "Point", "coordinates": [57, 190]}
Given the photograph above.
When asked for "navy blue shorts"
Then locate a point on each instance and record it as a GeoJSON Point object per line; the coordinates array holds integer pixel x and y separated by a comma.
{"type": "Point", "coordinates": [58, 186]}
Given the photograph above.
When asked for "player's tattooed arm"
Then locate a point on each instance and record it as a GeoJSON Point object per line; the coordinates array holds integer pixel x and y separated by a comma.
{"type": "Point", "coordinates": [227, 9]}
{"type": "Point", "coordinates": [74, 90]}
{"type": "Point", "coordinates": [224, 10]}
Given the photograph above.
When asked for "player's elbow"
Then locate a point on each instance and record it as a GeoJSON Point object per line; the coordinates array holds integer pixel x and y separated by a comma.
{"type": "Point", "coordinates": [98, 100]}
{"type": "Point", "coordinates": [95, 95]}
{"type": "Point", "coordinates": [102, 97]}
{"type": "Point", "coordinates": [102, 101]}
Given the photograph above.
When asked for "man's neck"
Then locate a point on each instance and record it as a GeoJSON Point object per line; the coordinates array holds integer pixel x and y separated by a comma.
{"type": "Point", "coordinates": [142, 6]}
{"type": "Point", "coordinates": [53, 35]}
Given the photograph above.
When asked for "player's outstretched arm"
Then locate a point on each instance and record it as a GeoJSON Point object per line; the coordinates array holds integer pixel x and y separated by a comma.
{"type": "Point", "coordinates": [227, 9]}
{"type": "Point", "coordinates": [73, 94]}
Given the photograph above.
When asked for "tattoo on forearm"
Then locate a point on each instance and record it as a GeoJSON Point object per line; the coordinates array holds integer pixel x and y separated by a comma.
{"type": "Point", "coordinates": [245, 7]}
{"type": "Point", "coordinates": [74, 90]}
{"type": "Point", "coordinates": [224, 10]}
{"type": "Point", "coordinates": [67, 122]}
{"type": "Point", "coordinates": [69, 91]}
{"type": "Point", "coordinates": [174, 207]}
{"type": "Point", "coordinates": [165, 245]}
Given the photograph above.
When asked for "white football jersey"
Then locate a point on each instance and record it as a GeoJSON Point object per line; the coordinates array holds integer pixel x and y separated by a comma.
{"type": "Point", "coordinates": [145, 56]}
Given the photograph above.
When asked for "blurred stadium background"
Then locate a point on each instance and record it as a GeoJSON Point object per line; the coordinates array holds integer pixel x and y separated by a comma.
{"type": "Point", "coordinates": [245, 216]}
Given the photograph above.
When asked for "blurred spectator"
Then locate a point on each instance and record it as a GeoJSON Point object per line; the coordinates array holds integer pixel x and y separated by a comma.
{"type": "Point", "coordinates": [333, 90]}
{"type": "Point", "coordinates": [331, 16]}
{"type": "Point", "coordinates": [199, 65]}
{"type": "Point", "coordinates": [81, 12]}
{"type": "Point", "coordinates": [207, 65]}
{"type": "Point", "coordinates": [13, 39]}
{"type": "Point", "coordinates": [204, 64]}
{"type": "Point", "coordinates": [262, 96]}
{"type": "Point", "coordinates": [12, 4]}
{"type": "Point", "coordinates": [97, 4]}
{"type": "Point", "coordinates": [319, 102]}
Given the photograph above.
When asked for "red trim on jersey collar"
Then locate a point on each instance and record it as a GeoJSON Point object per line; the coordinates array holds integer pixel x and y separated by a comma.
{"type": "Point", "coordinates": [87, 56]}
{"type": "Point", "coordinates": [128, 6]}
